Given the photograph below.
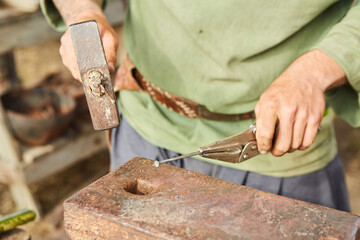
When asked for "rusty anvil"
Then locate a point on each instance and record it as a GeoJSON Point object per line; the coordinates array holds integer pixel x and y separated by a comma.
{"type": "Point", "coordinates": [95, 75]}
{"type": "Point", "coordinates": [139, 201]}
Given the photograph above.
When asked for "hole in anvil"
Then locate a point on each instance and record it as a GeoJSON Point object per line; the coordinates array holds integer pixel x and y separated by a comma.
{"type": "Point", "coordinates": [139, 187]}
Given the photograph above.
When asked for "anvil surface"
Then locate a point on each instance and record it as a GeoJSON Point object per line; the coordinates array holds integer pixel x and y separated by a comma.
{"type": "Point", "coordinates": [140, 201]}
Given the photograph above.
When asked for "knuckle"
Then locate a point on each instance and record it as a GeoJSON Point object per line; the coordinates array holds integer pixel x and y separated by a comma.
{"type": "Point", "coordinates": [263, 148]}
{"type": "Point", "coordinates": [295, 146]}
{"type": "Point", "coordinates": [302, 115]}
{"type": "Point", "coordinates": [303, 147]}
{"type": "Point", "coordinates": [306, 145]}
{"type": "Point", "coordinates": [61, 50]}
{"type": "Point", "coordinates": [277, 153]}
{"type": "Point", "coordinates": [265, 98]}
{"type": "Point", "coordinates": [264, 137]}
{"type": "Point", "coordinates": [322, 102]}
{"type": "Point", "coordinates": [289, 111]}
{"type": "Point", "coordinates": [282, 149]}
{"type": "Point", "coordinates": [314, 121]}
{"type": "Point", "coordinates": [270, 101]}
{"type": "Point", "coordinates": [63, 39]}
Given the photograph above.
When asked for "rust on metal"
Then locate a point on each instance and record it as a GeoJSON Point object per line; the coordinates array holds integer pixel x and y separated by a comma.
{"type": "Point", "coordinates": [95, 81]}
{"type": "Point", "coordinates": [95, 75]}
{"type": "Point", "coordinates": [140, 201]}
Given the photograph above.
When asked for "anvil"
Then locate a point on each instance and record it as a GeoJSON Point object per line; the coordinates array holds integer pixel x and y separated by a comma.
{"type": "Point", "coordinates": [140, 201]}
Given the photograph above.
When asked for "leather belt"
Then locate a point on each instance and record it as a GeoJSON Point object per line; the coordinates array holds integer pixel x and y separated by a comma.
{"type": "Point", "coordinates": [129, 78]}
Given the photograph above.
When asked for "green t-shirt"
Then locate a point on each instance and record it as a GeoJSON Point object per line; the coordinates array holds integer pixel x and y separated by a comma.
{"type": "Point", "coordinates": [224, 55]}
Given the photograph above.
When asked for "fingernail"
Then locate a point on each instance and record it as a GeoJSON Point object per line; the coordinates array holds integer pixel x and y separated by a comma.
{"type": "Point", "coordinates": [111, 67]}
{"type": "Point", "coordinates": [263, 152]}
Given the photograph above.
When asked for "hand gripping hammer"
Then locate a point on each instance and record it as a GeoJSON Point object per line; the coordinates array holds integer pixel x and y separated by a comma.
{"type": "Point", "coordinates": [95, 75]}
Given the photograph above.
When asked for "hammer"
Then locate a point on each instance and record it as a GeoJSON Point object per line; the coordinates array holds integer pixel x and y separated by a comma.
{"type": "Point", "coordinates": [95, 75]}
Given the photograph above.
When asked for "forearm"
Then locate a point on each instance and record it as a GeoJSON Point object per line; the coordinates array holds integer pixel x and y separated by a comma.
{"type": "Point", "coordinates": [71, 10]}
{"type": "Point", "coordinates": [320, 69]}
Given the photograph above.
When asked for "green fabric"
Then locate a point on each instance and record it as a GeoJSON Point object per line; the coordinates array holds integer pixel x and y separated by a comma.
{"type": "Point", "coordinates": [342, 43]}
{"type": "Point", "coordinates": [53, 16]}
{"type": "Point", "coordinates": [224, 55]}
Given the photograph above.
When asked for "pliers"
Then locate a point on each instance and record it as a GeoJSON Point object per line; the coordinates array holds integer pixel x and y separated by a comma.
{"type": "Point", "coordinates": [234, 149]}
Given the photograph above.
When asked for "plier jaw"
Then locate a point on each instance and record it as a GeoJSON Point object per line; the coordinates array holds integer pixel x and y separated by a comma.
{"type": "Point", "coordinates": [234, 149]}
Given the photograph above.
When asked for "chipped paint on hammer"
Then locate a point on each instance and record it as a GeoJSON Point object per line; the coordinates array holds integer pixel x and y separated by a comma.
{"type": "Point", "coordinates": [95, 75]}
{"type": "Point", "coordinates": [140, 201]}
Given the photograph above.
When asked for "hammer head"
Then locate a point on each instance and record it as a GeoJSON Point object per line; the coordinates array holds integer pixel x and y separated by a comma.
{"type": "Point", "coordinates": [95, 75]}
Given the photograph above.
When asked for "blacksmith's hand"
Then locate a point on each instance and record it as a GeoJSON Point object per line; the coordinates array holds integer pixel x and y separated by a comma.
{"type": "Point", "coordinates": [290, 111]}
{"type": "Point", "coordinates": [79, 11]}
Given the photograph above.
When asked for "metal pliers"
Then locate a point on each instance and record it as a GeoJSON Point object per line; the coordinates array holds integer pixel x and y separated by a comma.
{"type": "Point", "coordinates": [234, 149]}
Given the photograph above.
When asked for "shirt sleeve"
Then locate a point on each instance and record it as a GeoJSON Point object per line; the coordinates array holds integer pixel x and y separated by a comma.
{"type": "Point", "coordinates": [342, 44]}
{"type": "Point", "coordinates": [53, 16]}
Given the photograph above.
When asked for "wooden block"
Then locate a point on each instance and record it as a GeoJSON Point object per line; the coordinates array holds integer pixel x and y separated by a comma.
{"type": "Point", "coordinates": [37, 62]}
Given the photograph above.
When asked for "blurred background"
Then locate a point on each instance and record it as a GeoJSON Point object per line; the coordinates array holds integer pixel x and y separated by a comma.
{"type": "Point", "coordinates": [48, 149]}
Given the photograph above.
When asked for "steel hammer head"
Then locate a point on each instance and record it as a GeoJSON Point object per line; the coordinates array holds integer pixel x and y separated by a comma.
{"type": "Point", "coordinates": [95, 75]}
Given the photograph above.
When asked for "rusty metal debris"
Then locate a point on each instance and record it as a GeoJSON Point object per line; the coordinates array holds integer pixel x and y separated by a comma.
{"type": "Point", "coordinates": [38, 115]}
{"type": "Point", "coordinates": [95, 75]}
{"type": "Point", "coordinates": [138, 201]}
